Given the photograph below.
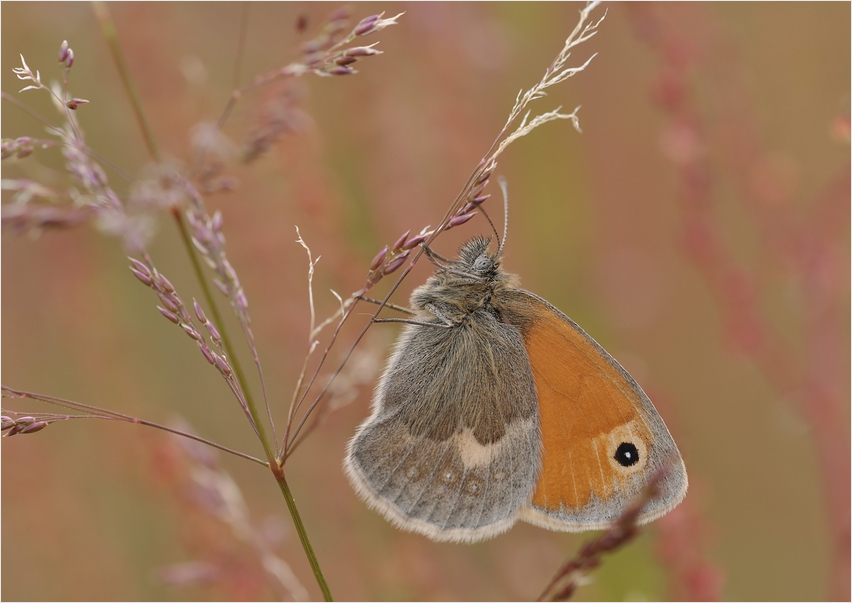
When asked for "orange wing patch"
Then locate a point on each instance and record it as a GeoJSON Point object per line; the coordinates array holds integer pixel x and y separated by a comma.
{"type": "Point", "coordinates": [599, 431]}
{"type": "Point", "coordinates": [584, 409]}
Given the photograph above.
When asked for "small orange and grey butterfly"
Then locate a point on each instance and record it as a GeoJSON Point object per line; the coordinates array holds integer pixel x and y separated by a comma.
{"type": "Point", "coordinates": [495, 406]}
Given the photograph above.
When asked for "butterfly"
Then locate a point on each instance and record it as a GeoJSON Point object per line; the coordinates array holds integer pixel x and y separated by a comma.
{"type": "Point", "coordinates": [494, 406]}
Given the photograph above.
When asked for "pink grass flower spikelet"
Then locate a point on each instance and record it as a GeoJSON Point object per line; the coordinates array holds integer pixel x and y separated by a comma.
{"type": "Point", "coordinates": [380, 257]}
{"type": "Point", "coordinates": [459, 220]}
{"type": "Point", "coordinates": [169, 315]}
{"type": "Point", "coordinates": [395, 263]}
{"type": "Point", "coordinates": [22, 425]}
{"type": "Point", "coordinates": [361, 51]}
{"type": "Point", "coordinates": [63, 51]}
{"type": "Point", "coordinates": [66, 55]}
{"type": "Point", "coordinates": [75, 102]}
{"type": "Point", "coordinates": [401, 241]}
{"type": "Point", "coordinates": [414, 241]}
{"type": "Point", "coordinates": [374, 23]}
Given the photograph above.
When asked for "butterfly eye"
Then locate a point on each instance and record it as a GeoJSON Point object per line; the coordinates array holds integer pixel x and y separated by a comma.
{"type": "Point", "coordinates": [626, 454]}
{"type": "Point", "coordinates": [482, 263]}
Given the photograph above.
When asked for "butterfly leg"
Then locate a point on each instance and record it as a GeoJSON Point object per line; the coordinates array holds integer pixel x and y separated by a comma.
{"type": "Point", "coordinates": [436, 258]}
{"type": "Point", "coordinates": [388, 305]}
{"type": "Point", "coordinates": [414, 322]}
{"type": "Point", "coordinates": [434, 310]}
{"type": "Point", "coordinates": [445, 323]}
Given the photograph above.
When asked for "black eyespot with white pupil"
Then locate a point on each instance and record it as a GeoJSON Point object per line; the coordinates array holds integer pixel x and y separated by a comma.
{"type": "Point", "coordinates": [626, 454]}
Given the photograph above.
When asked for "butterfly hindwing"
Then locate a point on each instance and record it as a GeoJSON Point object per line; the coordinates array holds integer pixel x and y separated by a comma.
{"type": "Point", "coordinates": [452, 448]}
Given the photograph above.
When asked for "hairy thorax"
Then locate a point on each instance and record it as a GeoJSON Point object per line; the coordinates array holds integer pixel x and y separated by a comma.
{"type": "Point", "coordinates": [455, 298]}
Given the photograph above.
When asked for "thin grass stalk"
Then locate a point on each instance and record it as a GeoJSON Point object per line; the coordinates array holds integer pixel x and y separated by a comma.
{"type": "Point", "coordinates": [290, 443]}
{"type": "Point", "coordinates": [109, 32]}
{"type": "Point", "coordinates": [111, 415]}
{"type": "Point", "coordinates": [303, 536]}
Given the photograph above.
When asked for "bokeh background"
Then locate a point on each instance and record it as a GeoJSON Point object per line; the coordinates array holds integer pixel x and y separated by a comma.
{"type": "Point", "coordinates": [698, 228]}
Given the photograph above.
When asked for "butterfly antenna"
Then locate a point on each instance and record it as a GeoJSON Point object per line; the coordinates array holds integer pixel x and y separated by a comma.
{"type": "Point", "coordinates": [494, 228]}
{"type": "Point", "coordinates": [505, 188]}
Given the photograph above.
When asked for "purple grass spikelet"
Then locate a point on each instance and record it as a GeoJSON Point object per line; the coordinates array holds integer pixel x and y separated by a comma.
{"type": "Point", "coordinates": [361, 51]}
{"type": "Point", "coordinates": [241, 300]}
{"type": "Point", "coordinates": [205, 351]}
{"type": "Point", "coordinates": [486, 173]}
{"type": "Point", "coordinates": [459, 220]}
{"type": "Point", "coordinates": [395, 263]}
{"type": "Point", "coordinates": [341, 70]}
{"type": "Point", "coordinates": [34, 427]}
{"type": "Point", "coordinates": [138, 268]}
{"type": "Point", "coordinates": [374, 23]}
{"type": "Point", "coordinates": [199, 312]}
{"type": "Point", "coordinates": [20, 425]}
{"type": "Point", "coordinates": [165, 283]}
{"type": "Point", "coordinates": [345, 60]}
{"type": "Point", "coordinates": [22, 147]}
{"type": "Point", "coordinates": [75, 102]}
{"type": "Point", "coordinates": [467, 208]}
{"type": "Point", "coordinates": [170, 315]}
{"type": "Point", "coordinates": [222, 364]}
{"type": "Point", "coordinates": [169, 302]}
{"type": "Point", "coordinates": [415, 241]}
{"type": "Point", "coordinates": [380, 257]}
{"type": "Point", "coordinates": [214, 334]}
{"type": "Point", "coordinates": [401, 241]}
{"type": "Point", "coordinates": [216, 222]}
{"type": "Point", "coordinates": [365, 25]}
{"type": "Point", "coordinates": [477, 189]}
{"type": "Point", "coordinates": [63, 51]}
{"type": "Point", "coordinates": [190, 330]}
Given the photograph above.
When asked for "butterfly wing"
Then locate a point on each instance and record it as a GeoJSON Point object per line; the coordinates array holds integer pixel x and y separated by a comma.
{"type": "Point", "coordinates": [602, 438]}
{"type": "Point", "coordinates": [452, 447]}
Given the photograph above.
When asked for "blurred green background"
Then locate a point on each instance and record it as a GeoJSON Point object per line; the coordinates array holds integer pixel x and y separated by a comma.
{"type": "Point", "coordinates": [698, 228]}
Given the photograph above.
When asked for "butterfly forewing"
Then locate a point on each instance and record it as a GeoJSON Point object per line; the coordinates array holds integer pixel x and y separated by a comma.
{"type": "Point", "coordinates": [602, 438]}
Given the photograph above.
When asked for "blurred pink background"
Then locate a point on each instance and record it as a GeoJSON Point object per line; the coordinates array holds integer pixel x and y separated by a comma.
{"type": "Point", "coordinates": [698, 228]}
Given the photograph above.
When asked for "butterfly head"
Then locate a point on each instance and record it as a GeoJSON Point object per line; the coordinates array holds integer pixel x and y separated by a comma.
{"type": "Point", "coordinates": [475, 259]}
